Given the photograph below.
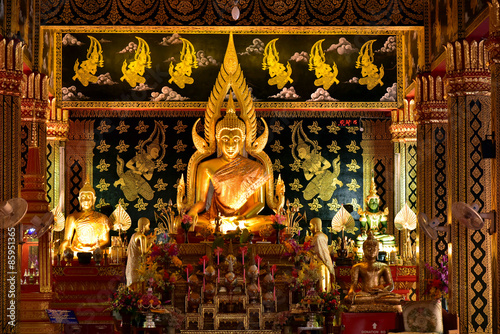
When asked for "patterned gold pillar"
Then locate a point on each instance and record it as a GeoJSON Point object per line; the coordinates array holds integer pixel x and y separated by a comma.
{"type": "Point", "coordinates": [493, 47]}
{"type": "Point", "coordinates": [11, 76]}
{"type": "Point", "coordinates": [432, 119]}
{"type": "Point", "coordinates": [469, 179]}
{"type": "Point", "coordinates": [79, 156]}
{"type": "Point", "coordinates": [378, 157]}
{"type": "Point", "coordinates": [404, 136]}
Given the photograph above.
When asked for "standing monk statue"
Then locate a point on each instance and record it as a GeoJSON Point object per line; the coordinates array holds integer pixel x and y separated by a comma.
{"type": "Point", "coordinates": [86, 230]}
{"type": "Point", "coordinates": [376, 283]}
{"type": "Point", "coordinates": [319, 244]}
{"type": "Point", "coordinates": [137, 248]}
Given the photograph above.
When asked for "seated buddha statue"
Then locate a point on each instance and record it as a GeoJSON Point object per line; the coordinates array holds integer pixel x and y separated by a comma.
{"type": "Point", "coordinates": [86, 230]}
{"type": "Point", "coordinates": [372, 219]}
{"type": "Point", "coordinates": [376, 283]}
{"type": "Point", "coordinates": [238, 182]}
{"type": "Point", "coordinates": [230, 176]}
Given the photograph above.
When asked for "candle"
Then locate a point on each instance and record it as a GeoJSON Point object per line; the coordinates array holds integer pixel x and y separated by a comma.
{"type": "Point", "coordinates": [203, 274]}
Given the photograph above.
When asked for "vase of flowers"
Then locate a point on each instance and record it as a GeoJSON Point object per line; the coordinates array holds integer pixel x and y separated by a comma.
{"type": "Point", "coordinates": [186, 223]}
{"type": "Point", "coordinates": [331, 308]}
{"type": "Point", "coordinates": [124, 302]}
{"type": "Point", "coordinates": [283, 321]}
{"type": "Point", "coordinates": [278, 224]}
{"type": "Point", "coordinates": [437, 285]}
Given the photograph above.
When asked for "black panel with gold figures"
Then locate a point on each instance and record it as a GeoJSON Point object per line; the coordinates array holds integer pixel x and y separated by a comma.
{"type": "Point", "coordinates": [182, 67]}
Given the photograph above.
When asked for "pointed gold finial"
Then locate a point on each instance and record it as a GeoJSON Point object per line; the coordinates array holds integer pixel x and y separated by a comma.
{"type": "Point", "coordinates": [231, 59]}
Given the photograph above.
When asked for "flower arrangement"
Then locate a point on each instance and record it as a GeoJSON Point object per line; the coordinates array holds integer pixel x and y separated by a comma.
{"type": "Point", "coordinates": [124, 300]}
{"type": "Point", "coordinates": [310, 274]}
{"type": "Point", "coordinates": [437, 286]}
{"type": "Point", "coordinates": [297, 252]}
{"type": "Point", "coordinates": [330, 301]}
{"type": "Point", "coordinates": [174, 319]}
{"type": "Point", "coordinates": [279, 222]}
{"type": "Point", "coordinates": [149, 300]}
{"type": "Point", "coordinates": [154, 271]}
{"type": "Point", "coordinates": [186, 222]}
{"type": "Point", "coordinates": [311, 297]}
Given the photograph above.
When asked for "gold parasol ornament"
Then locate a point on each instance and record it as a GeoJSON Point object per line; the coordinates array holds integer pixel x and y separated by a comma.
{"type": "Point", "coordinates": [405, 219]}
{"type": "Point", "coordinates": [120, 219]}
{"type": "Point", "coordinates": [343, 221]}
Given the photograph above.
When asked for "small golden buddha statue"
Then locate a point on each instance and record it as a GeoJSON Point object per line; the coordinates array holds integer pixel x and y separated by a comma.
{"type": "Point", "coordinates": [372, 219]}
{"type": "Point", "coordinates": [137, 248]}
{"type": "Point", "coordinates": [82, 229]}
{"type": "Point", "coordinates": [376, 283]}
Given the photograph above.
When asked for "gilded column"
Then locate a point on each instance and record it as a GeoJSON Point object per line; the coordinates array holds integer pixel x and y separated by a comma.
{"type": "Point", "coordinates": [34, 108]}
{"type": "Point", "coordinates": [404, 137]}
{"type": "Point", "coordinates": [432, 119]}
{"type": "Point", "coordinates": [493, 47]}
{"type": "Point", "coordinates": [11, 76]}
{"type": "Point", "coordinates": [79, 154]}
{"type": "Point", "coordinates": [469, 178]}
{"type": "Point", "coordinates": [378, 160]}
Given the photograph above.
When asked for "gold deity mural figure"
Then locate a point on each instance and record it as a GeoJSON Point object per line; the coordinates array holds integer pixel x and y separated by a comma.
{"type": "Point", "coordinates": [240, 174]}
{"type": "Point", "coordinates": [322, 181]}
{"type": "Point", "coordinates": [376, 283]}
{"type": "Point", "coordinates": [86, 70]}
{"type": "Point", "coordinates": [369, 71]}
{"type": "Point", "coordinates": [134, 181]}
{"type": "Point", "coordinates": [374, 220]}
{"type": "Point", "coordinates": [280, 75]}
{"type": "Point", "coordinates": [181, 73]}
{"type": "Point", "coordinates": [86, 230]}
{"type": "Point", "coordinates": [326, 75]}
{"type": "Point", "coordinates": [134, 71]}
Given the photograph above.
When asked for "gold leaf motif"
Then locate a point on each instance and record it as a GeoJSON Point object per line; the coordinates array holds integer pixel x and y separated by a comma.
{"type": "Point", "coordinates": [160, 185]}
{"type": "Point", "coordinates": [277, 166]}
{"type": "Point", "coordinates": [296, 203]}
{"type": "Point", "coordinates": [103, 147]}
{"type": "Point", "coordinates": [314, 128]}
{"type": "Point", "coordinates": [180, 147]}
{"type": "Point", "coordinates": [103, 166]}
{"type": "Point", "coordinates": [295, 185]}
{"type": "Point", "coordinates": [142, 127]}
{"type": "Point", "coordinates": [276, 127]}
{"type": "Point", "coordinates": [180, 127]}
{"type": "Point", "coordinates": [161, 166]}
{"type": "Point", "coordinates": [353, 166]}
{"type": "Point", "coordinates": [103, 127]}
{"type": "Point", "coordinates": [295, 167]}
{"type": "Point", "coordinates": [353, 186]}
{"type": "Point", "coordinates": [334, 205]}
{"type": "Point", "coordinates": [352, 129]}
{"type": "Point", "coordinates": [180, 166]}
{"type": "Point", "coordinates": [102, 202]}
{"type": "Point", "coordinates": [333, 147]}
{"type": "Point", "coordinates": [333, 128]}
{"type": "Point", "coordinates": [352, 147]}
{"type": "Point", "coordinates": [102, 186]}
{"type": "Point", "coordinates": [315, 206]}
{"type": "Point", "coordinates": [277, 146]}
{"type": "Point", "coordinates": [121, 201]}
{"type": "Point", "coordinates": [159, 206]}
{"type": "Point", "coordinates": [122, 147]}
{"type": "Point", "coordinates": [122, 127]}
{"type": "Point", "coordinates": [140, 205]}
{"type": "Point", "coordinates": [355, 205]}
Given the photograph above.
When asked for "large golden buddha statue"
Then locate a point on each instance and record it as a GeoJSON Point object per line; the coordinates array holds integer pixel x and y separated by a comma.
{"type": "Point", "coordinates": [372, 219]}
{"type": "Point", "coordinates": [86, 230]}
{"type": "Point", "coordinates": [242, 186]}
{"type": "Point", "coordinates": [376, 283]}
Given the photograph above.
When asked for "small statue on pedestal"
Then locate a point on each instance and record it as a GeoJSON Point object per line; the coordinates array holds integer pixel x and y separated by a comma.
{"type": "Point", "coordinates": [376, 281]}
{"type": "Point", "coordinates": [137, 248]}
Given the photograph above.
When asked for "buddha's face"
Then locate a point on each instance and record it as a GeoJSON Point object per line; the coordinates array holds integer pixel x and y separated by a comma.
{"type": "Point", "coordinates": [370, 250]}
{"type": "Point", "coordinates": [373, 204]}
{"type": "Point", "coordinates": [86, 199]}
{"type": "Point", "coordinates": [230, 142]}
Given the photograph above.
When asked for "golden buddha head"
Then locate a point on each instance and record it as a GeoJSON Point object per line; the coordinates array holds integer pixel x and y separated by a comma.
{"type": "Point", "coordinates": [143, 225]}
{"type": "Point", "coordinates": [315, 225]}
{"type": "Point", "coordinates": [230, 132]}
{"type": "Point", "coordinates": [86, 197]}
